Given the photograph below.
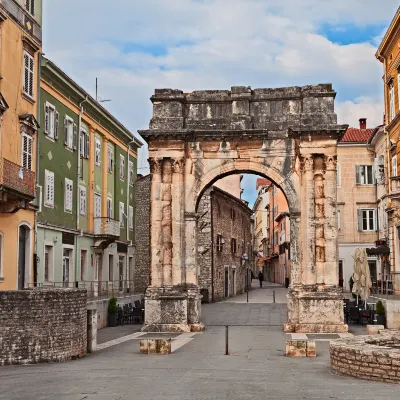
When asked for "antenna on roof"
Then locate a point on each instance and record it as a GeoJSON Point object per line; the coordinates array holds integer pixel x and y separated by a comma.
{"type": "Point", "coordinates": [99, 99]}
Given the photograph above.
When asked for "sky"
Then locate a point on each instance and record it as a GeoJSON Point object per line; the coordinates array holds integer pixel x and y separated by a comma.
{"type": "Point", "coordinates": [135, 46]}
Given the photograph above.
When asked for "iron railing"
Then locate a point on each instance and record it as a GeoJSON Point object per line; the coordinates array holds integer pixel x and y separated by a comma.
{"type": "Point", "coordinates": [17, 178]}
{"type": "Point", "coordinates": [107, 227]}
{"type": "Point", "coordinates": [94, 288]}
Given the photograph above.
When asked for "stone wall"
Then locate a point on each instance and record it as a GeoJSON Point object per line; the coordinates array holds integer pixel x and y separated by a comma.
{"type": "Point", "coordinates": [374, 357]}
{"type": "Point", "coordinates": [224, 263]}
{"type": "Point", "coordinates": [42, 326]}
{"type": "Point", "coordinates": [142, 235]}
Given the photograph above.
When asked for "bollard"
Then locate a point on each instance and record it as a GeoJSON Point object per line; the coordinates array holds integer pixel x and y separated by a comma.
{"type": "Point", "coordinates": [247, 294]}
{"type": "Point", "coordinates": [273, 295]}
{"type": "Point", "coordinates": [226, 341]}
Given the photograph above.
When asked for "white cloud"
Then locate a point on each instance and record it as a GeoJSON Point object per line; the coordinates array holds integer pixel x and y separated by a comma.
{"type": "Point", "coordinates": [214, 44]}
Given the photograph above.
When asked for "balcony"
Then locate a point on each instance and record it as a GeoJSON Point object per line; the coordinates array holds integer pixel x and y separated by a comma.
{"type": "Point", "coordinates": [16, 182]}
{"type": "Point", "coordinates": [106, 227]}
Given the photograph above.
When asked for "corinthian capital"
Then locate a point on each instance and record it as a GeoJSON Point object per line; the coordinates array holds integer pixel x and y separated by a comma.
{"type": "Point", "coordinates": [155, 165]}
{"type": "Point", "coordinates": [178, 164]}
{"type": "Point", "coordinates": [330, 162]}
{"type": "Point", "coordinates": [308, 162]}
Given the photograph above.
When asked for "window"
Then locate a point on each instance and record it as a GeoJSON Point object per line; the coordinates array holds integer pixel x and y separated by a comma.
{"type": "Point", "coordinates": [82, 200]}
{"type": "Point", "coordinates": [233, 214]}
{"type": "Point", "coordinates": [340, 271]}
{"type": "Point", "coordinates": [121, 214]}
{"type": "Point", "coordinates": [233, 246]}
{"type": "Point", "coordinates": [219, 243]}
{"type": "Point", "coordinates": [122, 167]}
{"type": "Point", "coordinates": [48, 263]}
{"type": "Point", "coordinates": [49, 189]}
{"type": "Point", "coordinates": [131, 218]}
{"type": "Point", "coordinates": [30, 6]}
{"type": "Point", "coordinates": [83, 264]}
{"type": "Point", "coordinates": [68, 195]}
{"type": "Point", "coordinates": [97, 157]}
{"type": "Point", "coordinates": [364, 174]}
{"type": "Point", "coordinates": [276, 238]}
{"type": "Point", "coordinates": [338, 176]}
{"type": "Point", "coordinates": [110, 160]}
{"type": "Point", "coordinates": [84, 144]}
{"type": "Point", "coordinates": [51, 118]}
{"type": "Point", "coordinates": [27, 143]}
{"type": "Point", "coordinates": [339, 225]}
{"type": "Point", "coordinates": [394, 165]}
{"type": "Point", "coordinates": [391, 103]}
{"type": "Point", "coordinates": [28, 83]}
{"type": "Point", "coordinates": [366, 220]}
{"type": "Point", "coordinates": [131, 173]}
{"type": "Point", "coordinates": [110, 208]}
{"type": "Point", "coordinates": [67, 264]}
{"type": "Point", "coordinates": [110, 267]}
{"type": "Point", "coordinates": [70, 133]}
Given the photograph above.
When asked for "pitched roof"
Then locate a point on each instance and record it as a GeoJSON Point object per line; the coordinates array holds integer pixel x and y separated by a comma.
{"type": "Point", "coordinates": [262, 182]}
{"type": "Point", "coordinates": [356, 135]}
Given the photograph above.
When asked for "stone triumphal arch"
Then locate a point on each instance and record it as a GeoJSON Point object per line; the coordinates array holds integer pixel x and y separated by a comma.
{"type": "Point", "coordinates": [289, 135]}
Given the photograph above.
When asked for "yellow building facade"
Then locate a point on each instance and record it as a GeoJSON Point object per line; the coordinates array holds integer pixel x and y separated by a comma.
{"type": "Point", "coordinates": [20, 46]}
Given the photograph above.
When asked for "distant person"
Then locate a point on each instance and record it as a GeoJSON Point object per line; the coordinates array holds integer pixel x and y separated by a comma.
{"type": "Point", "coordinates": [261, 278]}
{"type": "Point", "coordinates": [252, 275]}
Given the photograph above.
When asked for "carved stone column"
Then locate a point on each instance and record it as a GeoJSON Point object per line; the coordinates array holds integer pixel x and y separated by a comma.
{"type": "Point", "coordinates": [319, 220]}
{"type": "Point", "coordinates": [166, 221]}
{"type": "Point", "coordinates": [190, 248]}
{"type": "Point", "coordinates": [308, 223]}
{"type": "Point", "coordinates": [155, 223]}
{"type": "Point", "coordinates": [331, 248]}
{"type": "Point", "coordinates": [178, 166]}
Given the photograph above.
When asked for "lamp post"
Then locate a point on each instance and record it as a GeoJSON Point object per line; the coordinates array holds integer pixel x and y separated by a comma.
{"type": "Point", "coordinates": [245, 258]}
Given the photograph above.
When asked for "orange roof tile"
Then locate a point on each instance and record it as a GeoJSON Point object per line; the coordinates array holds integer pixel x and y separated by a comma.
{"type": "Point", "coordinates": [262, 182]}
{"type": "Point", "coordinates": [356, 135]}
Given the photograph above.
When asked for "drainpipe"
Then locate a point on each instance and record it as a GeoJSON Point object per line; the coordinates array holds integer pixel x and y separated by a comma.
{"type": "Point", "coordinates": [77, 185]}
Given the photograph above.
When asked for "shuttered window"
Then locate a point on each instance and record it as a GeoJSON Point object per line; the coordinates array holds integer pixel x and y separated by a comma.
{"type": "Point", "coordinates": [364, 175]}
{"type": "Point", "coordinates": [27, 144]}
{"type": "Point", "coordinates": [30, 6]}
{"type": "Point", "coordinates": [391, 103]}
{"type": "Point", "coordinates": [51, 118]}
{"type": "Point", "coordinates": [110, 208]}
{"type": "Point", "coordinates": [28, 74]}
{"type": "Point", "coordinates": [82, 200]}
{"type": "Point", "coordinates": [110, 160]}
{"type": "Point", "coordinates": [121, 214]}
{"type": "Point", "coordinates": [97, 158]}
{"type": "Point", "coordinates": [68, 195]}
{"type": "Point", "coordinates": [394, 165]}
{"type": "Point", "coordinates": [49, 188]}
{"type": "Point", "coordinates": [122, 168]}
{"type": "Point", "coordinates": [366, 220]}
{"type": "Point", "coordinates": [131, 173]}
{"type": "Point", "coordinates": [84, 144]}
{"type": "Point", "coordinates": [131, 218]}
{"type": "Point", "coordinates": [70, 133]}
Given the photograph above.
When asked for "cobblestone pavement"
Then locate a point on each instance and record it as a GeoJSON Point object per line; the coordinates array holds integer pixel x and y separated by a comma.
{"type": "Point", "coordinates": [255, 369]}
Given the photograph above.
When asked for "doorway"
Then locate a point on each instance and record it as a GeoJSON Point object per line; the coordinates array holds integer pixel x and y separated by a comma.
{"type": "Point", "coordinates": [121, 262]}
{"type": "Point", "coordinates": [226, 283]}
{"type": "Point", "coordinates": [234, 282]}
{"type": "Point", "coordinates": [23, 255]}
{"type": "Point", "coordinates": [67, 261]}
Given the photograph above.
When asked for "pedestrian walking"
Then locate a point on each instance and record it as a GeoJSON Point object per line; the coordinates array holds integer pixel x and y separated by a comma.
{"type": "Point", "coordinates": [261, 278]}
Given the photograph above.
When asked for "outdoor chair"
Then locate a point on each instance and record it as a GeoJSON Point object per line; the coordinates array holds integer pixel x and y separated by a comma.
{"type": "Point", "coordinates": [137, 315]}
{"type": "Point", "coordinates": [354, 315]}
{"type": "Point", "coordinates": [137, 303]}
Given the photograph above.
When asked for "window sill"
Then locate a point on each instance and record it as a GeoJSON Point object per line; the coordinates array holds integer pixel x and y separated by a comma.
{"type": "Point", "coordinates": [28, 98]}
{"type": "Point", "coordinates": [68, 211]}
{"type": "Point", "coordinates": [366, 184]}
{"type": "Point", "coordinates": [1, 279]}
{"type": "Point", "coordinates": [48, 206]}
{"type": "Point", "coordinates": [51, 139]}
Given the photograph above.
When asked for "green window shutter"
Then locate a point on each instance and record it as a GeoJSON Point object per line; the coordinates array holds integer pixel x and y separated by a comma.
{"type": "Point", "coordinates": [75, 137]}
{"type": "Point", "coordinates": [65, 131]}
{"type": "Point", "coordinates": [56, 118]}
{"type": "Point", "coordinates": [46, 119]}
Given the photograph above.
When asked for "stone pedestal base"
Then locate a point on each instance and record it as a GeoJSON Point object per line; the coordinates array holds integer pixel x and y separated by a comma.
{"type": "Point", "coordinates": [313, 309]}
{"type": "Point", "coordinates": [172, 309]}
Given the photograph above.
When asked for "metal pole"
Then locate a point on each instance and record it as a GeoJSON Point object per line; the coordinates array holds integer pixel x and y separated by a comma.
{"type": "Point", "coordinates": [273, 295]}
{"type": "Point", "coordinates": [226, 340]}
{"type": "Point", "coordinates": [247, 274]}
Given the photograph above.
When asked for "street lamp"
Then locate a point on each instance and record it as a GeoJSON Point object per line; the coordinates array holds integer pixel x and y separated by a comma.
{"type": "Point", "coordinates": [245, 258]}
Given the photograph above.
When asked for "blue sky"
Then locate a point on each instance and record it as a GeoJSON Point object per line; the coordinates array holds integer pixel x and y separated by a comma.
{"type": "Point", "coordinates": [135, 46]}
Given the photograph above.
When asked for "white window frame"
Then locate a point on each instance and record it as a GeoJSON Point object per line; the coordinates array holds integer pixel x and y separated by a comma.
{"type": "Point", "coordinates": [359, 176]}
{"type": "Point", "coordinates": [82, 200]}
{"type": "Point", "coordinates": [28, 152]}
{"type": "Point", "coordinates": [30, 7]}
{"type": "Point", "coordinates": [1, 255]}
{"type": "Point", "coordinates": [68, 195]}
{"type": "Point", "coordinates": [131, 173]}
{"type": "Point", "coordinates": [48, 190]}
{"type": "Point", "coordinates": [84, 143]}
{"type": "Point", "coordinates": [394, 165]}
{"type": "Point", "coordinates": [110, 213]}
{"type": "Point", "coordinates": [97, 157]}
{"type": "Point", "coordinates": [338, 176]}
{"type": "Point", "coordinates": [121, 214]}
{"type": "Point", "coordinates": [367, 216]}
{"type": "Point", "coordinates": [110, 159]}
{"type": "Point", "coordinates": [51, 119]}
{"type": "Point", "coordinates": [130, 218]}
{"type": "Point", "coordinates": [28, 74]}
{"type": "Point", "coordinates": [121, 167]}
{"type": "Point", "coordinates": [69, 133]}
{"type": "Point", "coordinates": [391, 103]}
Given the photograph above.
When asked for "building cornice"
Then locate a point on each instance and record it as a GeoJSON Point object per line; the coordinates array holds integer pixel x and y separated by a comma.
{"type": "Point", "coordinates": [388, 36]}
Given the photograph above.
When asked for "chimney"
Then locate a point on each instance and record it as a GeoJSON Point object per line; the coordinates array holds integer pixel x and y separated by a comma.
{"type": "Point", "coordinates": [363, 123]}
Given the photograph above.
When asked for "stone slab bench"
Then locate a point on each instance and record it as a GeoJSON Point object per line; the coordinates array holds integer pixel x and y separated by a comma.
{"type": "Point", "coordinates": [301, 348]}
{"type": "Point", "coordinates": [375, 329]}
{"type": "Point", "coordinates": [155, 346]}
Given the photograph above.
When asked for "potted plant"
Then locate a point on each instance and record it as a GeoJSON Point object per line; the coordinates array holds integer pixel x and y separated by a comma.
{"type": "Point", "coordinates": [380, 310]}
{"type": "Point", "coordinates": [112, 312]}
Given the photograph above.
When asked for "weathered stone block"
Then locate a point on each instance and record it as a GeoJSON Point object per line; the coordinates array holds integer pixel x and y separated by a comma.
{"type": "Point", "coordinates": [155, 346]}
{"type": "Point", "coordinates": [296, 348]}
{"type": "Point", "coordinates": [311, 349]}
{"type": "Point", "coordinates": [374, 329]}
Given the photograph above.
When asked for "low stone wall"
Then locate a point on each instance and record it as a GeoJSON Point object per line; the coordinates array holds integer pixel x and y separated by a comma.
{"type": "Point", "coordinates": [42, 325]}
{"type": "Point", "coordinates": [392, 312]}
{"type": "Point", "coordinates": [374, 357]}
{"type": "Point", "coordinates": [101, 305]}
